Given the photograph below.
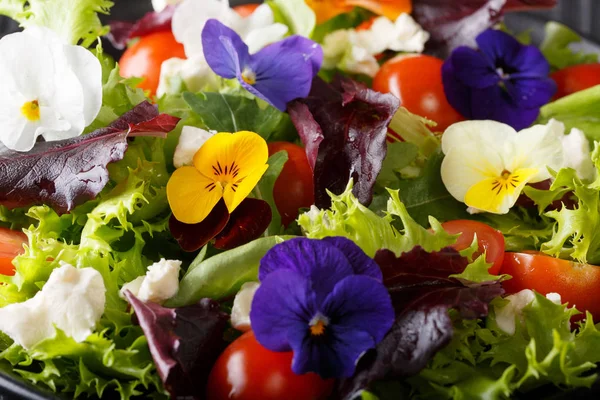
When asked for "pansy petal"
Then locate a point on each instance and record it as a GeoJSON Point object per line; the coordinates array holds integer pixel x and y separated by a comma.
{"type": "Point", "coordinates": [496, 104]}
{"type": "Point", "coordinates": [361, 263]}
{"type": "Point", "coordinates": [224, 50]}
{"type": "Point", "coordinates": [282, 305]}
{"type": "Point", "coordinates": [531, 60]}
{"type": "Point", "coordinates": [461, 170]}
{"type": "Point", "coordinates": [498, 46]}
{"type": "Point", "coordinates": [323, 263]}
{"type": "Point", "coordinates": [531, 92]}
{"type": "Point", "coordinates": [457, 93]}
{"type": "Point", "coordinates": [231, 156]}
{"type": "Point", "coordinates": [487, 135]}
{"type": "Point", "coordinates": [479, 74]}
{"type": "Point", "coordinates": [496, 196]}
{"type": "Point", "coordinates": [540, 146]}
{"type": "Point", "coordinates": [192, 195]}
{"type": "Point", "coordinates": [235, 193]}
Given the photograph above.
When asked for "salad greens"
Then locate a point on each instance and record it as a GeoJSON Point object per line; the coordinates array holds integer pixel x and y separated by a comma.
{"type": "Point", "coordinates": [556, 47]}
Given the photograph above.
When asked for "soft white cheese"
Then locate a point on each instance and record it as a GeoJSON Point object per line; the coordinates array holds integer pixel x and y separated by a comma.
{"type": "Point", "coordinates": [240, 312]}
{"type": "Point", "coordinates": [160, 5]}
{"type": "Point", "coordinates": [506, 316]}
{"type": "Point", "coordinates": [577, 154]}
{"type": "Point", "coordinates": [192, 74]}
{"type": "Point", "coordinates": [160, 283]}
{"type": "Point", "coordinates": [73, 300]}
{"type": "Point", "coordinates": [190, 141]}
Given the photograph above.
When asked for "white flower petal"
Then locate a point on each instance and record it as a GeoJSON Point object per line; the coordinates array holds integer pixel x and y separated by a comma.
{"type": "Point", "coordinates": [485, 135]}
{"type": "Point", "coordinates": [539, 146]}
{"type": "Point", "coordinates": [160, 5]}
{"type": "Point", "coordinates": [576, 148]}
{"type": "Point", "coordinates": [460, 171]}
{"type": "Point", "coordinates": [88, 71]}
{"type": "Point", "coordinates": [258, 38]}
{"type": "Point", "coordinates": [190, 141]}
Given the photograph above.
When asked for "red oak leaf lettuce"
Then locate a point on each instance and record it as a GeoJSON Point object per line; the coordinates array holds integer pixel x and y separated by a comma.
{"type": "Point", "coordinates": [65, 173]}
{"type": "Point", "coordinates": [123, 31]}
{"type": "Point", "coordinates": [184, 342]}
{"type": "Point", "coordinates": [457, 23]}
{"type": "Point", "coordinates": [422, 293]}
{"type": "Point", "coordinates": [343, 126]}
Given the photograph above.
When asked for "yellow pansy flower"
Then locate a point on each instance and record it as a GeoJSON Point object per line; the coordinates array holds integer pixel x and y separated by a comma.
{"type": "Point", "coordinates": [488, 163]}
{"type": "Point", "coordinates": [227, 166]}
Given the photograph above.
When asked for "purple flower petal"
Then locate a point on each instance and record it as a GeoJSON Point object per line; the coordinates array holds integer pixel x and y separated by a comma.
{"type": "Point", "coordinates": [497, 46]}
{"type": "Point", "coordinates": [531, 92]}
{"type": "Point", "coordinates": [457, 93]}
{"type": "Point", "coordinates": [282, 305]}
{"type": "Point", "coordinates": [496, 104]}
{"type": "Point", "coordinates": [361, 263]}
{"type": "Point", "coordinates": [321, 263]}
{"type": "Point", "coordinates": [480, 74]}
{"type": "Point", "coordinates": [224, 50]}
{"type": "Point", "coordinates": [531, 63]}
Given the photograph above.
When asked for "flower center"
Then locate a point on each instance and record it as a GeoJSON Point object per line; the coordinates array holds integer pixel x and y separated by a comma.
{"type": "Point", "coordinates": [249, 76]}
{"type": "Point", "coordinates": [31, 110]}
{"type": "Point", "coordinates": [505, 181]}
{"type": "Point", "coordinates": [225, 175]}
{"type": "Point", "coordinates": [318, 324]}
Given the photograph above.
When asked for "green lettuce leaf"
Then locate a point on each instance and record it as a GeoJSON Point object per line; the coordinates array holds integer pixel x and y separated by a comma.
{"type": "Point", "coordinates": [264, 189]}
{"type": "Point", "coordinates": [371, 232]}
{"type": "Point", "coordinates": [556, 47]}
{"type": "Point", "coordinates": [296, 14]}
{"type": "Point", "coordinates": [416, 130]}
{"type": "Point", "coordinates": [342, 21]}
{"type": "Point", "coordinates": [76, 21]}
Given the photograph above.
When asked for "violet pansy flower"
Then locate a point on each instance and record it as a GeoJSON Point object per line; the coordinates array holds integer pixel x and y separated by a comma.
{"type": "Point", "coordinates": [325, 301]}
{"type": "Point", "coordinates": [504, 80]}
{"type": "Point", "coordinates": [279, 73]}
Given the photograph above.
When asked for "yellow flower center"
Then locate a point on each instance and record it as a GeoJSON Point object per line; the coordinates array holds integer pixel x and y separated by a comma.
{"type": "Point", "coordinates": [318, 324]}
{"type": "Point", "coordinates": [31, 110]}
{"type": "Point", "coordinates": [249, 76]}
{"type": "Point", "coordinates": [225, 176]}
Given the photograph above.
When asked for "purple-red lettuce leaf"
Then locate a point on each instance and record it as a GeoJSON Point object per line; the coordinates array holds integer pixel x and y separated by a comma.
{"type": "Point", "coordinates": [184, 342]}
{"type": "Point", "coordinates": [343, 126]}
{"type": "Point", "coordinates": [457, 23]}
{"type": "Point", "coordinates": [422, 293]}
{"type": "Point", "coordinates": [66, 173]}
{"type": "Point", "coordinates": [122, 32]}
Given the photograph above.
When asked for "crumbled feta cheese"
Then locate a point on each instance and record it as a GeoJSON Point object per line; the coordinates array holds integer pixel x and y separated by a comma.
{"type": "Point", "coordinates": [577, 154]}
{"type": "Point", "coordinates": [240, 313]}
{"type": "Point", "coordinates": [190, 141]}
{"type": "Point", "coordinates": [192, 74]}
{"type": "Point", "coordinates": [160, 283]}
{"type": "Point", "coordinates": [73, 300]}
{"type": "Point", "coordinates": [506, 316]}
{"type": "Point", "coordinates": [160, 5]}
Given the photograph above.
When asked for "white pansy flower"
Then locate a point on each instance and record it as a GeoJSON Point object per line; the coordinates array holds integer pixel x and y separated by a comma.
{"type": "Point", "coordinates": [190, 141]}
{"type": "Point", "coordinates": [72, 300]}
{"type": "Point", "coordinates": [488, 163]}
{"type": "Point", "coordinates": [576, 147]}
{"type": "Point", "coordinates": [47, 88]}
{"type": "Point", "coordinates": [355, 51]}
{"type": "Point", "coordinates": [160, 5]}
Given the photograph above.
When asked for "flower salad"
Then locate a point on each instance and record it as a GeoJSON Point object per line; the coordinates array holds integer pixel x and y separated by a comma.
{"type": "Point", "coordinates": [298, 200]}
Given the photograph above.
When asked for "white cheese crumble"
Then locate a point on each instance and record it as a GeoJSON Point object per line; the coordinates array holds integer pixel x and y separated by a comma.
{"type": "Point", "coordinates": [160, 283]}
{"type": "Point", "coordinates": [507, 315]}
{"type": "Point", "coordinates": [240, 313]}
{"type": "Point", "coordinates": [190, 141]}
{"type": "Point", "coordinates": [73, 300]}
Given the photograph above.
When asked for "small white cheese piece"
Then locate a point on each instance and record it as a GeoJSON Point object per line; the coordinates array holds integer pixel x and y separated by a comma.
{"type": "Point", "coordinates": [576, 148]}
{"type": "Point", "coordinates": [160, 283]}
{"type": "Point", "coordinates": [240, 312]}
{"type": "Point", "coordinates": [190, 141]}
{"type": "Point", "coordinates": [160, 5]}
{"type": "Point", "coordinates": [73, 300]}
{"type": "Point", "coordinates": [506, 316]}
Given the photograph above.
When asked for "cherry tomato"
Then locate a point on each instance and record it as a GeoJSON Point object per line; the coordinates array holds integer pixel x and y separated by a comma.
{"type": "Point", "coordinates": [294, 188]}
{"type": "Point", "coordinates": [145, 57]}
{"type": "Point", "coordinates": [248, 371]}
{"type": "Point", "coordinates": [576, 283]}
{"type": "Point", "coordinates": [11, 245]}
{"type": "Point", "coordinates": [245, 10]}
{"type": "Point", "coordinates": [573, 79]}
{"type": "Point", "coordinates": [417, 82]}
{"type": "Point", "coordinates": [490, 240]}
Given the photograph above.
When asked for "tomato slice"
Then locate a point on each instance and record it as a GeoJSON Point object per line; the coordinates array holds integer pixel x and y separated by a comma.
{"type": "Point", "coordinates": [491, 241]}
{"type": "Point", "coordinates": [248, 371]}
{"type": "Point", "coordinates": [417, 81]}
{"type": "Point", "coordinates": [576, 283]}
{"type": "Point", "coordinates": [245, 10]}
{"type": "Point", "coordinates": [294, 188]}
{"type": "Point", "coordinates": [575, 78]}
{"type": "Point", "coordinates": [145, 57]}
{"type": "Point", "coordinates": [11, 245]}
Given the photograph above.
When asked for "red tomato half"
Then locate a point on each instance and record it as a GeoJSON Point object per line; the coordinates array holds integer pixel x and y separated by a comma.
{"type": "Point", "coordinates": [294, 188]}
{"type": "Point", "coordinates": [490, 240]}
{"type": "Point", "coordinates": [576, 78]}
{"type": "Point", "coordinates": [245, 10]}
{"type": "Point", "coordinates": [145, 57]}
{"type": "Point", "coordinates": [417, 82]}
{"type": "Point", "coordinates": [248, 371]}
{"type": "Point", "coordinates": [11, 245]}
{"type": "Point", "coordinates": [576, 283]}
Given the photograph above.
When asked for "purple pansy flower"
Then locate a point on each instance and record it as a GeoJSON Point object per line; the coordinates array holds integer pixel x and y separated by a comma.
{"type": "Point", "coordinates": [325, 301]}
{"type": "Point", "coordinates": [278, 74]}
{"type": "Point", "coordinates": [504, 81]}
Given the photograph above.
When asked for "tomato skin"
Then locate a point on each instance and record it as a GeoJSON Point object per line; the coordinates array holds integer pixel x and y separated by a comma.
{"type": "Point", "coordinates": [144, 58]}
{"type": "Point", "coordinates": [575, 78]}
{"type": "Point", "coordinates": [576, 283]}
{"type": "Point", "coordinates": [11, 245]}
{"type": "Point", "coordinates": [491, 241]}
{"type": "Point", "coordinates": [245, 10]}
{"type": "Point", "coordinates": [294, 189]}
{"type": "Point", "coordinates": [248, 371]}
{"type": "Point", "coordinates": [417, 81]}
